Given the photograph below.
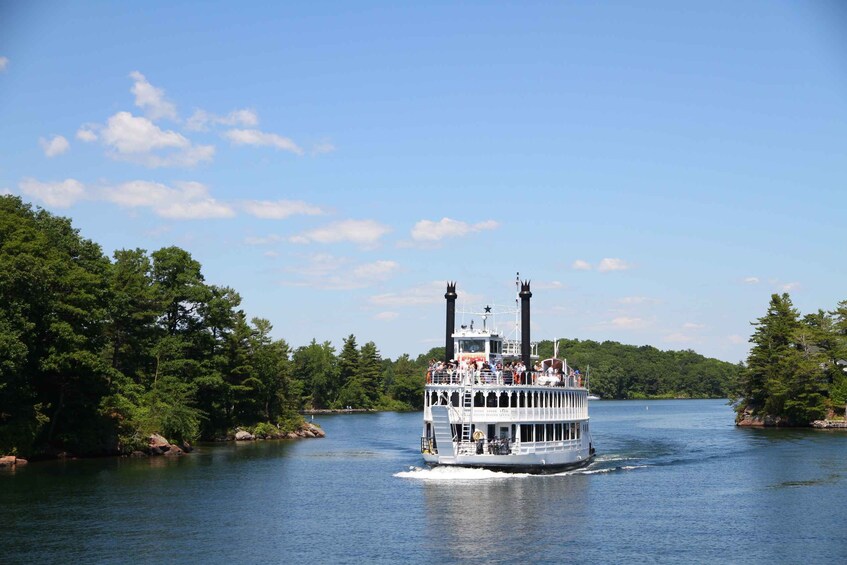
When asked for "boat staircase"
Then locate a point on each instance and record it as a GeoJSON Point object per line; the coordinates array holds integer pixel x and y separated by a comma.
{"type": "Point", "coordinates": [443, 434]}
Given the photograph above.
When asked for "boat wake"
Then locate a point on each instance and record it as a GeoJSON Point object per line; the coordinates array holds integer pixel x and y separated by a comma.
{"type": "Point", "coordinates": [456, 474]}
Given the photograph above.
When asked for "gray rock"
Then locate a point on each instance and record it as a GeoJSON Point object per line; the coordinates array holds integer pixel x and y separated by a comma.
{"type": "Point", "coordinates": [242, 435]}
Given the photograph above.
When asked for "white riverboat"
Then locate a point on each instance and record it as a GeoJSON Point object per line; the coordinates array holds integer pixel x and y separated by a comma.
{"type": "Point", "coordinates": [492, 404]}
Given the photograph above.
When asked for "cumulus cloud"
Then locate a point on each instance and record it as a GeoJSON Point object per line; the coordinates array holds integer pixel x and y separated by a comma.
{"type": "Point", "coordinates": [87, 133]}
{"type": "Point", "coordinates": [788, 287]}
{"type": "Point", "coordinates": [326, 271]}
{"type": "Point", "coordinates": [692, 326]}
{"type": "Point", "coordinates": [611, 264]}
{"type": "Point", "coordinates": [4, 63]}
{"type": "Point", "coordinates": [751, 280]}
{"type": "Point", "coordinates": [262, 139]}
{"type": "Point", "coordinates": [280, 209]}
{"type": "Point", "coordinates": [361, 232]}
{"type": "Point", "coordinates": [580, 265]}
{"type": "Point", "coordinates": [429, 231]}
{"type": "Point", "coordinates": [183, 201]}
{"type": "Point", "coordinates": [151, 99]}
{"type": "Point", "coordinates": [201, 120]}
{"type": "Point", "coordinates": [57, 194]}
{"type": "Point", "coordinates": [56, 145]}
{"type": "Point", "coordinates": [137, 139]}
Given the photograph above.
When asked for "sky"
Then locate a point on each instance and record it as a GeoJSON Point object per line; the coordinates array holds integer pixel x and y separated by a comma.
{"type": "Point", "coordinates": [656, 170]}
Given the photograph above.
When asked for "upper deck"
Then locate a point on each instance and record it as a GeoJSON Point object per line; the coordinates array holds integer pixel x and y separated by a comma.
{"type": "Point", "coordinates": [504, 378]}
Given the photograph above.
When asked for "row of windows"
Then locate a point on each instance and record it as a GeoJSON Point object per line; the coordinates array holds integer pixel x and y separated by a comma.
{"type": "Point", "coordinates": [550, 432]}
{"type": "Point", "coordinates": [522, 399]}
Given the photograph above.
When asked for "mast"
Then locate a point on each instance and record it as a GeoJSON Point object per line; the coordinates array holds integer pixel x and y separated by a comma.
{"type": "Point", "coordinates": [525, 295]}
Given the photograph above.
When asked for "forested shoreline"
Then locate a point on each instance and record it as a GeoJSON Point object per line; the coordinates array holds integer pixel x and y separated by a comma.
{"type": "Point", "coordinates": [98, 353]}
{"type": "Point", "coordinates": [795, 374]}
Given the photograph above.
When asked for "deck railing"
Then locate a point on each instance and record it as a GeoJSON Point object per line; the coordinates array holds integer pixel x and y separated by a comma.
{"type": "Point", "coordinates": [484, 377]}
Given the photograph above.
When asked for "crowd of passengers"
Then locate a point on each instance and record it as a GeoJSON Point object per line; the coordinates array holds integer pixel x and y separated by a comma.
{"type": "Point", "coordinates": [483, 372]}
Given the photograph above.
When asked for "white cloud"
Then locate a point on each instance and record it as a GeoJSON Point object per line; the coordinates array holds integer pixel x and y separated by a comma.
{"type": "Point", "coordinates": [362, 232]}
{"type": "Point", "coordinates": [751, 280]}
{"type": "Point", "coordinates": [431, 293]}
{"type": "Point", "coordinates": [87, 133]}
{"type": "Point", "coordinates": [552, 285]}
{"type": "Point", "coordinates": [134, 139]}
{"type": "Point", "coordinates": [5, 191]}
{"type": "Point", "coordinates": [626, 323]}
{"type": "Point", "coordinates": [4, 63]}
{"type": "Point", "coordinates": [678, 338]}
{"type": "Point", "coordinates": [386, 316]}
{"type": "Point", "coordinates": [267, 240]}
{"type": "Point", "coordinates": [183, 201]}
{"type": "Point", "coordinates": [326, 271]}
{"type": "Point", "coordinates": [788, 287]}
{"type": "Point", "coordinates": [692, 326]}
{"type": "Point", "coordinates": [612, 264]}
{"type": "Point", "coordinates": [200, 120]}
{"type": "Point", "coordinates": [429, 231]}
{"type": "Point", "coordinates": [580, 265]}
{"type": "Point", "coordinates": [58, 194]}
{"type": "Point", "coordinates": [56, 145]}
{"type": "Point", "coordinates": [260, 138]}
{"type": "Point", "coordinates": [151, 99]}
{"type": "Point", "coordinates": [280, 209]}
{"type": "Point", "coordinates": [736, 339]}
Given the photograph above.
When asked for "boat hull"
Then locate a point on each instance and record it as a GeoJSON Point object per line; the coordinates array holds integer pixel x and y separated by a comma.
{"type": "Point", "coordinates": [527, 463]}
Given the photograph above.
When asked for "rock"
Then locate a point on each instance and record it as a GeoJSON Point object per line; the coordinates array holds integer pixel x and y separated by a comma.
{"type": "Point", "coordinates": [156, 450]}
{"type": "Point", "coordinates": [187, 447]}
{"type": "Point", "coordinates": [173, 451]}
{"type": "Point", "coordinates": [316, 431]}
{"type": "Point", "coordinates": [7, 461]}
{"type": "Point", "coordinates": [242, 435]}
{"type": "Point", "coordinates": [20, 462]}
{"type": "Point", "coordinates": [158, 441]}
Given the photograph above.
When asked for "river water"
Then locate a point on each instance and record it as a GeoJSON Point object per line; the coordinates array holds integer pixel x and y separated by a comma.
{"type": "Point", "coordinates": [674, 482]}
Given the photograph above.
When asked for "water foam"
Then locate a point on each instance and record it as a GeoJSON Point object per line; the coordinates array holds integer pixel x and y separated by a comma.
{"type": "Point", "coordinates": [444, 473]}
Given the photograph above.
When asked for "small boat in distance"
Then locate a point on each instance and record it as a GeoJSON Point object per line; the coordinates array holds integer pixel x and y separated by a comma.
{"type": "Point", "coordinates": [488, 405]}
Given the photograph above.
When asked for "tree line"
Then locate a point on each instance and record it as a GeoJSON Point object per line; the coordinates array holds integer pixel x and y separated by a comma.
{"type": "Point", "coordinates": [97, 353]}
{"type": "Point", "coordinates": [619, 371]}
{"type": "Point", "coordinates": [795, 372]}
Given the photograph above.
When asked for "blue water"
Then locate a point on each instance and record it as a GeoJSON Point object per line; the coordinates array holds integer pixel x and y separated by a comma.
{"type": "Point", "coordinates": [675, 482]}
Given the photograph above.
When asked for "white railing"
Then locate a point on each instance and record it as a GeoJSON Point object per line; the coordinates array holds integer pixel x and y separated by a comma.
{"type": "Point", "coordinates": [509, 378]}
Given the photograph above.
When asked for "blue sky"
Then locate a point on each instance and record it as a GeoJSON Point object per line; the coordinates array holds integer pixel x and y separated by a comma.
{"type": "Point", "coordinates": [656, 169]}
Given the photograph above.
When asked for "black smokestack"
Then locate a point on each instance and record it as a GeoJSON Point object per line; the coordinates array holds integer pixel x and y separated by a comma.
{"type": "Point", "coordinates": [449, 352]}
{"type": "Point", "coordinates": [525, 295]}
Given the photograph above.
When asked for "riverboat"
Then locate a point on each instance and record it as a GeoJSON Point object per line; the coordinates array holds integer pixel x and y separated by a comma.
{"type": "Point", "coordinates": [492, 404]}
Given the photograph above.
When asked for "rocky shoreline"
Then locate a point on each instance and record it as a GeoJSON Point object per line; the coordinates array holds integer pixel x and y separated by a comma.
{"type": "Point", "coordinates": [159, 446]}
{"type": "Point", "coordinates": [748, 420]}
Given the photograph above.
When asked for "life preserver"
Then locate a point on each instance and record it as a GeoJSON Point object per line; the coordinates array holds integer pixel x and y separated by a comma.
{"type": "Point", "coordinates": [478, 435]}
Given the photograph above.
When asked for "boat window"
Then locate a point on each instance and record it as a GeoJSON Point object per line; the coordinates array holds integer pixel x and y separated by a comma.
{"type": "Point", "coordinates": [550, 436]}
{"type": "Point", "coordinates": [513, 401]}
{"type": "Point", "coordinates": [433, 400]}
{"type": "Point", "coordinates": [558, 432]}
{"type": "Point", "coordinates": [454, 399]}
{"type": "Point", "coordinates": [521, 400]}
{"type": "Point", "coordinates": [539, 432]}
{"type": "Point", "coordinates": [478, 400]}
{"type": "Point", "coordinates": [471, 346]}
{"type": "Point", "coordinates": [491, 400]}
{"type": "Point", "coordinates": [504, 400]}
{"type": "Point", "coordinates": [526, 432]}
